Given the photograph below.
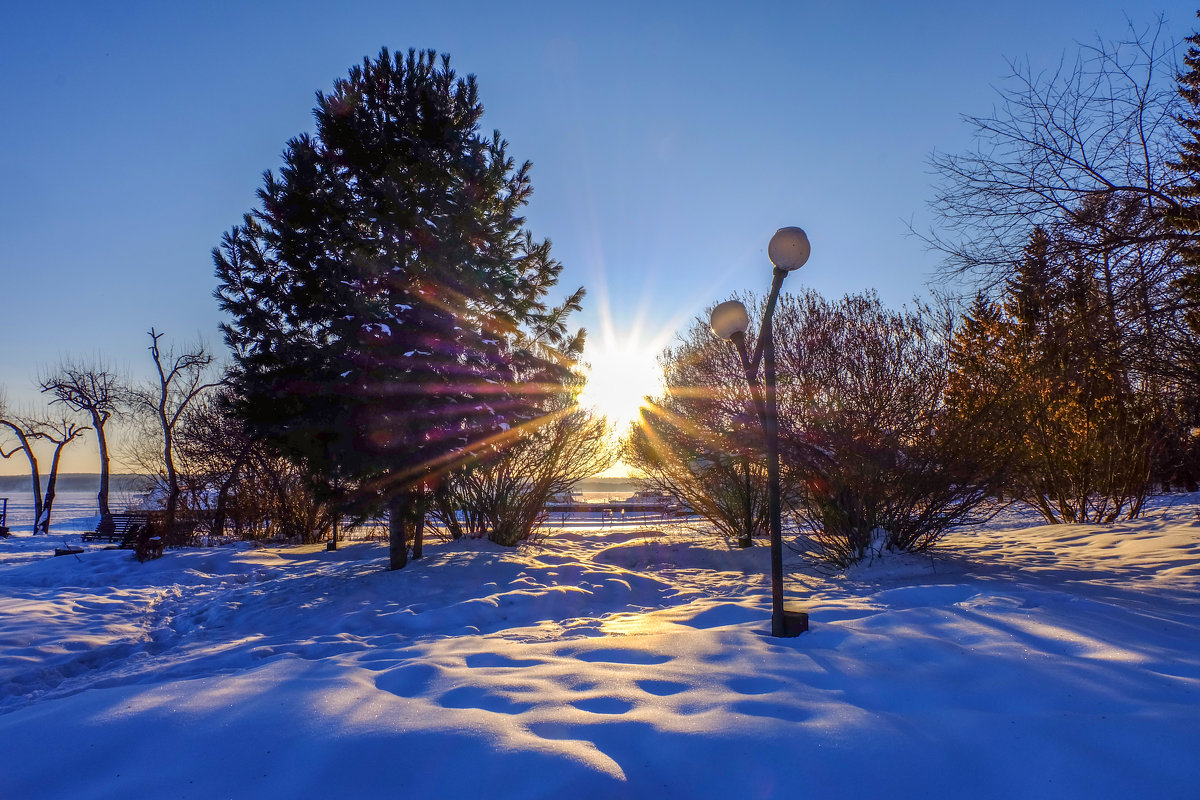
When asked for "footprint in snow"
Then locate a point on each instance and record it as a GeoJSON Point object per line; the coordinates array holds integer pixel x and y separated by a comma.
{"type": "Point", "coordinates": [616, 655]}
{"type": "Point", "coordinates": [755, 685]}
{"type": "Point", "coordinates": [661, 688]}
{"type": "Point", "coordinates": [760, 708]}
{"type": "Point", "coordinates": [474, 697]}
{"type": "Point", "coordinates": [484, 660]}
{"type": "Point", "coordinates": [603, 705]}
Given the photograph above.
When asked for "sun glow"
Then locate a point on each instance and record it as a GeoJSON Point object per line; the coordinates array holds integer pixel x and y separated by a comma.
{"type": "Point", "coordinates": [620, 375]}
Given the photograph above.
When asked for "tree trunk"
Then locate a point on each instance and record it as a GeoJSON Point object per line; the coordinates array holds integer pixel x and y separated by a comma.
{"type": "Point", "coordinates": [398, 511]}
{"type": "Point", "coordinates": [39, 504]}
{"type": "Point", "coordinates": [172, 476]}
{"type": "Point", "coordinates": [420, 508]}
{"type": "Point", "coordinates": [33, 469]}
{"type": "Point", "coordinates": [446, 508]}
{"type": "Point", "coordinates": [222, 511]}
{"type": "Point", "coordinates": [48, 504]}
{"type": "Point", "coordinates": [106, 521]}
{"type": "Point", "coordinates": [173, 491]}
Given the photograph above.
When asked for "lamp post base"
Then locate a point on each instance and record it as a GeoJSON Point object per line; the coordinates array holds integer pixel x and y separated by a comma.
{"type": "Point", "coordinates": [793, 623]}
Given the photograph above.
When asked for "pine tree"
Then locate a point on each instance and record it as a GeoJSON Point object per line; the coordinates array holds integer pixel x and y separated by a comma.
{"type": "Point", "coordinates": [1030, 290]}
{"type": "Point", "coordinates": [1042, 375]}
{"type": "Point", "coordinates": [1186, 220]}
{"type": "Point", "coordinates": [385, 296]}
{"type": "Point", "coordinates": [1186, 217]}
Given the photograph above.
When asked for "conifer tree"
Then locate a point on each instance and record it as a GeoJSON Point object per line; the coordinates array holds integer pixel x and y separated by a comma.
{"type": "Point", "coordinates": [1186, 216]}
{"type": "Point", "coordinates": [1186, 220]}
{"type": "Point", "coordinates": [1051, 392]}
{"type": "Point", "coordinates": [385, 295]}
{"type": "Point", "coordinates": [975, 387]}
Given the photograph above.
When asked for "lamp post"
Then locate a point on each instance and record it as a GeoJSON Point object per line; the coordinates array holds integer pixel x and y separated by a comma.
{"type": "Point", "coordinates": [789, 250]}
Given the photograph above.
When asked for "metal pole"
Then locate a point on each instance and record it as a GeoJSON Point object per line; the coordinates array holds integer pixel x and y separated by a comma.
{"type": "Point", "coordinates": [771, 433]}
{"type": "Point", "coordinates": [748, 534]}
{"type": "Point", "coordinates": [766, 403]}
{"type": "Point", "coordinates": [777, 276]}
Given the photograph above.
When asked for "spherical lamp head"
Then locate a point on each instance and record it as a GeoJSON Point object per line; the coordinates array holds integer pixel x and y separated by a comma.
{"type": "Point", "coordinates": [729, 318]}
{"type": "Point", "coordinates": [789, 248]}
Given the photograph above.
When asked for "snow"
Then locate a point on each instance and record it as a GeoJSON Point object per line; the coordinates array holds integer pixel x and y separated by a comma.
{"type": "Point", "coordinates": [624, 660]}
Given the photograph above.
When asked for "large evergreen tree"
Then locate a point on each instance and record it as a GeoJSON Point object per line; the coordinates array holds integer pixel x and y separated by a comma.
{"type": "Point", "coordinates": [1186, 220]}
{"type": "Point", "coordinates": [1186, 217]}
{"type": "Point", "coordinates": [385, 295]}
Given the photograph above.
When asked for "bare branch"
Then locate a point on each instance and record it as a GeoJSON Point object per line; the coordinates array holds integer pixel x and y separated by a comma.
{"type": "Point", "coordinates": [1102, 126]}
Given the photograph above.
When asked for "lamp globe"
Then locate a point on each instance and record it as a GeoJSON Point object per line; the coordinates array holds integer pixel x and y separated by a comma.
{"type": "Point", "coordinates": [729, 319]}
{"type": "Point", "coordinates": [789, 248]}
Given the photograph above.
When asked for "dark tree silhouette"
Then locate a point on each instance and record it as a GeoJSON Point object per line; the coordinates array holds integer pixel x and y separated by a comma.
{"type": "Point", "coordinates": [59, 432]}
{"type": "Point", "coordinates": [180, 380]}
{"type": "Point", "coordinates": [94, 389]}
{"type": "Point", "coordinates": [1186, 164]}
{"type": "Point", "coordinates": [1186, 221]}
{"type": "Point", "coordinates": [378, 293]}
{"type": "Point", "coordinates": [23, 432]}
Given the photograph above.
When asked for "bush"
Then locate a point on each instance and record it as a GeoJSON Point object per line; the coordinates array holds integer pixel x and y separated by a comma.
{"type": "Point", "coordinates": [865, 444]}
{"type": "Point", "coordinates": [874, 453]}
{"type": "Point", "coordinates": [698, 442]}
{"type": "Point", "coordinates": [504, 498]}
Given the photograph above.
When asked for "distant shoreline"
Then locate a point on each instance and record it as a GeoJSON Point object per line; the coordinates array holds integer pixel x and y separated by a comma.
{"type": "Point", "coordinates": [126, 481]}
{"type": "Point", "coordinates": [77, 482]}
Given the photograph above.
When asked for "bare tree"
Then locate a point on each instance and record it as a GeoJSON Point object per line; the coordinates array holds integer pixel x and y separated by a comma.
{"type": "Point", "coordinates": [1084, 152]}
{"type": "Point", "coordinates": [19, 428]}
{"type": "Point", "coordinates": [59, 432]}
{"type": "Point", "coordinates": [250, 490]}
{"type": "Point", "coordinates": [865, 391]}
{"type": "Point", "coordinates": [95, 389]}
{"type": "Point", "coordinates": [215, 453]}
{"type": "Point", "coordinates": [1103, 126]}
{"type": "Point", "coordinates": [866, 445]}
{"type": "Point", "coordinates": [181, 379]}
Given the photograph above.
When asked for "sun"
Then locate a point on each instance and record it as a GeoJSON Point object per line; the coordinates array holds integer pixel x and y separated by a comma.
{"type": "Point", "coordinates": [619, 376]}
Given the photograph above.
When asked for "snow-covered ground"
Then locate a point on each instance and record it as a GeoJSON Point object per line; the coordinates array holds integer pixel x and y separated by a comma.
{"type": "Point", "coordinates": [1044, 661]}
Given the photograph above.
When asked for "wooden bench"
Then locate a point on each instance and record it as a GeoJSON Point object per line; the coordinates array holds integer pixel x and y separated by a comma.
{"type": "Point", "coordinates": [123, 526]}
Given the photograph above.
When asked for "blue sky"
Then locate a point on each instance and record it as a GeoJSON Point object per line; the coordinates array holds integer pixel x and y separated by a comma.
{"type": "Point", "coordinates": [669, 141]}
